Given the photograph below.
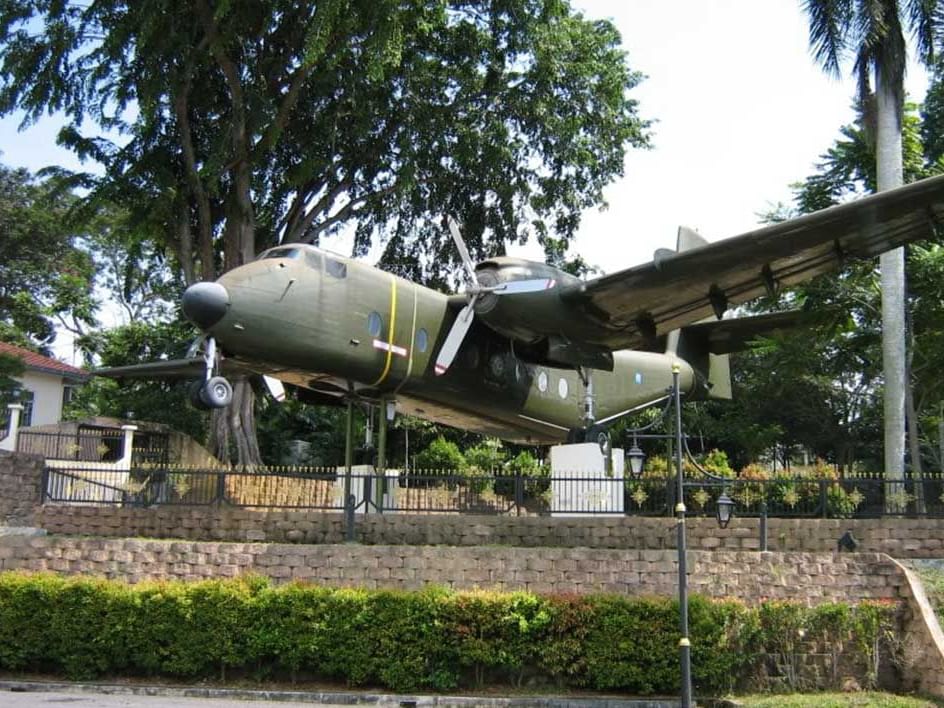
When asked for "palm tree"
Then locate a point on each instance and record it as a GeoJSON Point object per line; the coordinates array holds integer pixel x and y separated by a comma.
{"type": "Point", "coordinates": [873, 30]}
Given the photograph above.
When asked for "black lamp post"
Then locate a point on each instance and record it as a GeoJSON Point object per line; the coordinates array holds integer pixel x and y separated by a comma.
{"type": "Point", "coordinates": [724, 513]}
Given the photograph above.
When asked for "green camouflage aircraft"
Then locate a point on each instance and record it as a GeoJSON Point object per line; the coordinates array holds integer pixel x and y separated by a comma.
{"type": "Point", "coordinates": [528, 353]}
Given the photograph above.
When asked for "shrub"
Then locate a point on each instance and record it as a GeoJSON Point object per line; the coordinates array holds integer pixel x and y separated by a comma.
{"type": "Point", "coordinates": [716, 462]}
{"type": "Point", "coordinates": [535, 477]}
{"type": "Point", "coordinates": [484, 460]}
{"type": "Point", "coordinates": [441, 458]}
{"type": "Point", "coordinates": [430, 640]}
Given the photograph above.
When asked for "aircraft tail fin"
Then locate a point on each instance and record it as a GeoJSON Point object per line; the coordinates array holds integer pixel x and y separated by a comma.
{"type": "Point", "coordinates": [713, 370]}
{"type": "Point", "coordinates": [706, 345]}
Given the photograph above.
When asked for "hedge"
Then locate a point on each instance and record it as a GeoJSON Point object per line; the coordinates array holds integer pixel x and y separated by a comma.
{"type": "Point", "coordinates": [434, 639]}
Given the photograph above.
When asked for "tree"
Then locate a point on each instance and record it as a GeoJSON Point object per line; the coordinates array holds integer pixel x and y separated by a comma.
{"type": "Point", "coordinates": [873, 32]}
{"type": "Point", "coordinates": [820, 387]}
{"type": "Point", "coordinates": [250, 123]}
{"type": "Point", "coordinates": [155, 401]}
{"type": "Point", "coordinates": [45, 278]}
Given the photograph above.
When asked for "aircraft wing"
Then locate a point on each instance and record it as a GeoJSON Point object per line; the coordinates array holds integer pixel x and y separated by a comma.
{"type": "Point", "coordinates": [635, 306]}
{"type": "Point", "coordinates": [190, 368]}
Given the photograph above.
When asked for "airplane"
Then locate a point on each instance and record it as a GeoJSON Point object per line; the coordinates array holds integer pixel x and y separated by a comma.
{"type": "Point", "coordinates": [528, 353]}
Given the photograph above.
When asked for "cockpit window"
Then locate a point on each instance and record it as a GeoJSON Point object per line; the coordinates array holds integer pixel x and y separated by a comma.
{"type": "Point", "coordinates": [335, 268]}
{"type": "Point", "coordinates": [313, 259]}
{"type": "Point", "coordinates": [286, 252]}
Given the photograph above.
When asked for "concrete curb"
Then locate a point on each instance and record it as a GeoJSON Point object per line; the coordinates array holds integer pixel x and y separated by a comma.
{"type": "Point", "coordinates": [381, 700]}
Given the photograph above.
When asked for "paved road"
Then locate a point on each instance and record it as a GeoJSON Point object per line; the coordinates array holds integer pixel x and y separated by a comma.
{"type": "Point", "coordinates": [9, 699]}
{"type": "Point", "coordinates": [25, 695]}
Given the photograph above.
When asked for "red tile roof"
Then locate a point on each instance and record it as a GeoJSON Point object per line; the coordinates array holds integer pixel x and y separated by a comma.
{"type": "Point", "coordinates": [38, 362]}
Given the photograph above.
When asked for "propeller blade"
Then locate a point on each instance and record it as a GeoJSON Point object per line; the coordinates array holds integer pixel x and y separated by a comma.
{"type": "Point", "coordinates": [454, 340]}
{"type": "Point", "coordinates": [516, 287]}
{"type": "Point", "coordinates": [275, 388]}
{"type": "Point", "coordinates": [463, 251]}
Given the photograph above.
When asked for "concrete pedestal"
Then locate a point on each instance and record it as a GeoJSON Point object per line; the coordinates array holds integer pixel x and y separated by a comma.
{"type": "Point", "coordinates": [580, 483]}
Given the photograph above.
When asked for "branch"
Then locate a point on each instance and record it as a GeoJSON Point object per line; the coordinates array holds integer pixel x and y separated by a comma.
{"type": "Point", "coordinates": [346, 211]}
{"type": "Point", "coordinates": [275, 128]}
{"type": "Point", "coordinates": [204, 236]}
{"type": "Point", "coordinates": [323, 205]}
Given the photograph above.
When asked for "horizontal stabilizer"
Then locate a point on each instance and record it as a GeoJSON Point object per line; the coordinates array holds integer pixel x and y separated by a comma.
{"type": "Point", "coordinates": [735, 335]}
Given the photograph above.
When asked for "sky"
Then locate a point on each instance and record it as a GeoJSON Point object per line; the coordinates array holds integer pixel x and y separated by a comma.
{"type": "Point", "coordinates": [740, 112]}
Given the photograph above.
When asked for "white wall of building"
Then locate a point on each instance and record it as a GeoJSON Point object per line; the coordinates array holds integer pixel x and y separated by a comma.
{"type": "Point", "coordinates": [47, 396]}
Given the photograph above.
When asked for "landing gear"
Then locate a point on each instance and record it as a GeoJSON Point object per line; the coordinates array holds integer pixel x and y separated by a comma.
{"type": "Point", "coordinates": [211, 391]}
{"type": "Point", "coordinates": [196, 400]}
{"type": "Point", "coordinates": [592, 432]}
{"type": "Point", "coordinates": [215, 393]}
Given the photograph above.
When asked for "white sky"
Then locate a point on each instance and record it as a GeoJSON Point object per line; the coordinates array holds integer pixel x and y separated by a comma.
{"type": "Point", "coordinates": [741, 109]}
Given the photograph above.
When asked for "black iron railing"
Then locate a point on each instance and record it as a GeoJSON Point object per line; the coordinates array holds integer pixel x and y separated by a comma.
{"type": "Point", "coordinates": [497, 494]}
{"type": "Point", "coordinates": [86, 445]}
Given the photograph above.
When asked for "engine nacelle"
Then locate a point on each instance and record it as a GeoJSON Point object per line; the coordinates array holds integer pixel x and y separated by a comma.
{"type": "Point", "coordinates": [540, 321]}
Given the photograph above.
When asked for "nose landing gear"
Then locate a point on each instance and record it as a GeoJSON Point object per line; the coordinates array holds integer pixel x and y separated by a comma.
{"type": "Point", "coordinates": [211, 391]}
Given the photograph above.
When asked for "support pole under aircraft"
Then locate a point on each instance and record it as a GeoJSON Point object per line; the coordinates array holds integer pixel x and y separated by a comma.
{"type": "Point", "coordinates": [381, 469]}
{"type": "Point", "coordinates": [348, 462]}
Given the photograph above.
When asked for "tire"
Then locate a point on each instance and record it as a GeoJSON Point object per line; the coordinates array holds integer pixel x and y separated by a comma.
{"type": "Point", "coordinates": [217, 392]}
{"type": "Point", "coordinates": [193, 391]}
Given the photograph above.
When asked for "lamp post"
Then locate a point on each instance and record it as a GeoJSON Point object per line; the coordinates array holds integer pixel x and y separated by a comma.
{"type": "Point", "coordinates": [724, 513]}
{"type": "Point", "coordinates": [685, 646]}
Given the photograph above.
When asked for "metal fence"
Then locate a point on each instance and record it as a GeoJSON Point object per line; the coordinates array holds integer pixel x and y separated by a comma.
{"type": "Point", "coordinates": [83, 445]}
{"type": "Point", "coordinates": [496, 494]}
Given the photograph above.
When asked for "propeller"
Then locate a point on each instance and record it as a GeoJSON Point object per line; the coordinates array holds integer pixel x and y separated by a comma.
{"type": "Point", "coordinates": [475, 290]}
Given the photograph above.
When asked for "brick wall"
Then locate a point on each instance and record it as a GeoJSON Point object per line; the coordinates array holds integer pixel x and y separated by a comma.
{"type": "Point", "coordinates": [901, 538]}
{"type": "Point", "coordinates": [801, 576]}
{"type": "Point", "coordinates": [20, 478]}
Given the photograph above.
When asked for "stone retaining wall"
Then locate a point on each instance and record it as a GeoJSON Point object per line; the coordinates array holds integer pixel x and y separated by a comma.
{"type": "Point", "coordinates": [901, 538]}
{"type": "Point", "coordinates": [20, 479]}
{"type": "Point", "coordinates": [811, 578]}
{"type": "Point", "coordinates": [805, 577]}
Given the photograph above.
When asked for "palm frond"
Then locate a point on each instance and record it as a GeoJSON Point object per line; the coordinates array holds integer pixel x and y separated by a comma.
{"type": "Point", "coordinates": [830, 25]}
{"type": "Point", "coordinates": [925, 18]}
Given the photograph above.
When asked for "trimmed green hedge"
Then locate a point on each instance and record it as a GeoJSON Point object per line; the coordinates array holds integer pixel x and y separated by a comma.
{"type": "Point", "coordinates": [435, 639]}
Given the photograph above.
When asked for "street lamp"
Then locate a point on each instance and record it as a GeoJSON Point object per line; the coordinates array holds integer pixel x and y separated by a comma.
{"type": "Point", "coordinates": [725, 510]}
{"type": "Point", "coordinates": [636, 459]}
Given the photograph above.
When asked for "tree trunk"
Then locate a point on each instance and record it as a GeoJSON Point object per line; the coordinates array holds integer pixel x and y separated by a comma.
{"type": "Point", "coordinates": [889, 174]}
{"type": "Point", "coordinates": [233, 429]}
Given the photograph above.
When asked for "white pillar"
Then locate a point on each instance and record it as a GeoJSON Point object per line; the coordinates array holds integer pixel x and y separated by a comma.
{"type": "Point", "coordinates": [127, 446]}
{"type": "Point", "coordinates": [9, 442]}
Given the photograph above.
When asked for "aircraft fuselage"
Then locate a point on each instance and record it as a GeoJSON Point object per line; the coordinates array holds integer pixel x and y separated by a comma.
{"type": "Point", "coordinates": [329, 323]}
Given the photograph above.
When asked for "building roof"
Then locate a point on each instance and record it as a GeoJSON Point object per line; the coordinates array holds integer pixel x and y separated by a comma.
{"type": "Point", "coordinates": [37, 362]}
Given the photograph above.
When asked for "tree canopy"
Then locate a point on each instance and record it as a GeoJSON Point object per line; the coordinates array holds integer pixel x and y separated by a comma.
{"type": "Point", "coordinates": [45, 276]}
{"type": "Point", "coordinates": [223, 128]}
{"type": "Point", "coordinates": [277, 120]}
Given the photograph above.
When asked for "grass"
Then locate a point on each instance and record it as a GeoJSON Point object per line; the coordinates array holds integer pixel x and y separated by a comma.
{"type": "Point", "coordinates": [835, 700]}
{"type": "Point", "coordinates": [933, 581]}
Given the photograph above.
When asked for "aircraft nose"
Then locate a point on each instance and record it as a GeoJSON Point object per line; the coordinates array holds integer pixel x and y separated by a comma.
{"type": "Point", "coordinates": [205, 303]}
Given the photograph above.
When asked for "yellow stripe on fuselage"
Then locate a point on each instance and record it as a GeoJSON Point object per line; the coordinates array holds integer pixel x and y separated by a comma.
{"type": "Point", "coordinates": [393, 324]}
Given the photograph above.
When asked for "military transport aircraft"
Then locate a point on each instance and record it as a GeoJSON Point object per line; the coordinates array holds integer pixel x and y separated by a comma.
{"type": "Point", "coordinates": [528, 353]}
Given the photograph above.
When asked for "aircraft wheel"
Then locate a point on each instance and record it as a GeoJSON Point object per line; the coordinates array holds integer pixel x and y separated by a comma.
{"type": "Point", "coordinates": [217, 392]}
{"type": "Point", "coordinates": [193, 391]}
